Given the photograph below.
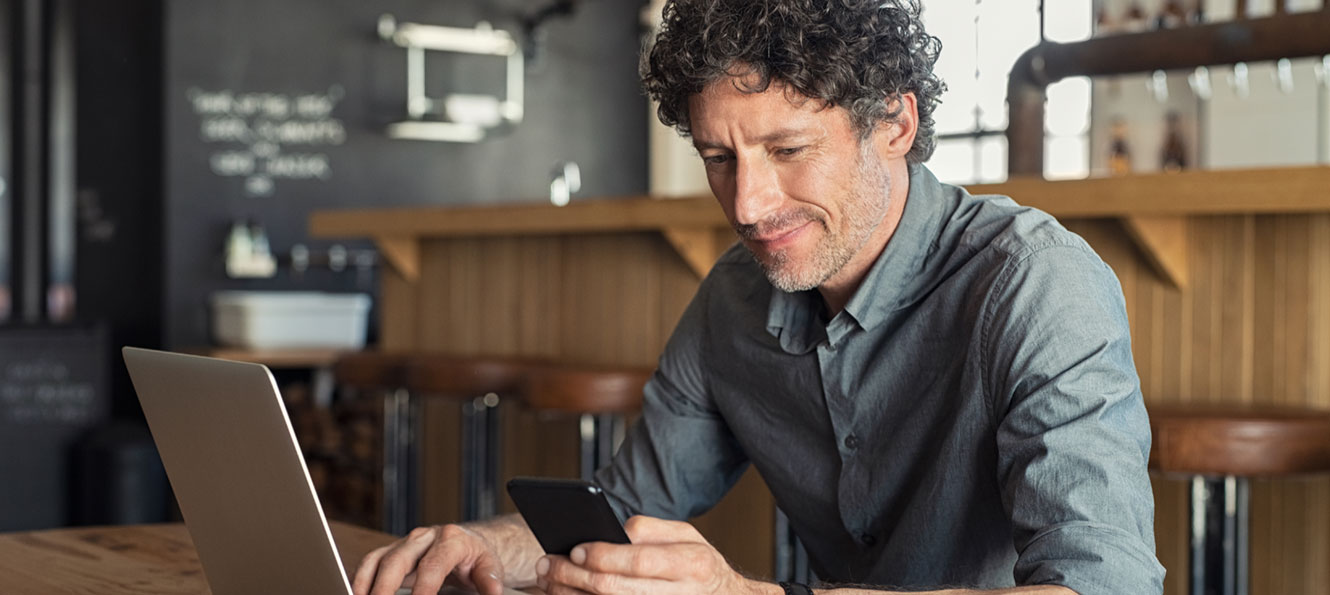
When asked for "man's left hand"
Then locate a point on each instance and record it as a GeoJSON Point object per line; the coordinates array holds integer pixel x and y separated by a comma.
{"type": "Point", "coordinates": [665, 557]}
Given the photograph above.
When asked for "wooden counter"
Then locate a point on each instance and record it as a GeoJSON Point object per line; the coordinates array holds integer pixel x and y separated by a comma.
{"type": "Point", "coordinates": [1226, 277]}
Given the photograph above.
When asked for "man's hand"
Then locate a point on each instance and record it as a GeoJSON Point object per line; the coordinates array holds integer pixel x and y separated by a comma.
{"type": "Point", "coordinates": [425, 558]}
{"type": "Point", "coordinates": [665, 557]}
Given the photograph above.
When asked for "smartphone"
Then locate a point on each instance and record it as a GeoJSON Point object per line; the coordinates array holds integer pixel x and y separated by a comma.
{"type": "Point", "coordinates": [565, 512]}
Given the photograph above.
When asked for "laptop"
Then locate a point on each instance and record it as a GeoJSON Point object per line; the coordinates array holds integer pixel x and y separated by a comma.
{"type": "Point", "coordinates": [238, 475]}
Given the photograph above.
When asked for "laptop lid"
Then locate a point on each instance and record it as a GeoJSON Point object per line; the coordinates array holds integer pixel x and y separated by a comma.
{"type": "Point", "coordinates": [238, 474]}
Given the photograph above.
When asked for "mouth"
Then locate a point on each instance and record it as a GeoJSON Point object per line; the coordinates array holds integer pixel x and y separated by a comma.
{"type": "Point", "coordinates": [778, 240]}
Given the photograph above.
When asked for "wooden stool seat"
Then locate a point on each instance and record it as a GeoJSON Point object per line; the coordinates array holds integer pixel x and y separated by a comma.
{"type": "Point", "coordinates": [370, 370]}
{"type": "Point", "coordinates": [600, 395]}
{"type": "Point", "coordinates": [582, 389]}
{"type": "Point", "coordinates": [1220, 449]}
{"type": "Point", "coordinates": [468, 377]}
{"type": "Point", "coordinates": [1261, 442]}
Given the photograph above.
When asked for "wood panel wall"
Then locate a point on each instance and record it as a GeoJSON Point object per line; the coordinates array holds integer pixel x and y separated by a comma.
{"type": "Point", "coordinates": [1253, 326]}
{"type": "Point", "coordinates": [611, 298]}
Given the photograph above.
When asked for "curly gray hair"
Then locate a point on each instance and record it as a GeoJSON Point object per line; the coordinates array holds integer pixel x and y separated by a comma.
{"type": "Point", "coordinates": [857, 54]}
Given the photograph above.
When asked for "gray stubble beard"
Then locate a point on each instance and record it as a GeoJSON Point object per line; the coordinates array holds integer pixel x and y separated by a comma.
{"type": "Point", "coordinates": [867, 209]}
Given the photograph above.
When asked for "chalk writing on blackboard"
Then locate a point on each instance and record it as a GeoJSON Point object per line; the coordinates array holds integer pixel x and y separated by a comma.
{"type": "Point", "coordinates": [264, 136]}
{"type": "Point", "coordinates": [45, 392]}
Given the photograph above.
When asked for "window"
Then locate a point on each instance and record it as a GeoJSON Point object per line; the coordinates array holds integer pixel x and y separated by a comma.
{"type": "Point", "coordinates": [981, 40]}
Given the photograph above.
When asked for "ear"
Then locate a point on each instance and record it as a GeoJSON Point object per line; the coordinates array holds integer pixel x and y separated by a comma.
{"type": "Point", "coordinates": [895, 138]}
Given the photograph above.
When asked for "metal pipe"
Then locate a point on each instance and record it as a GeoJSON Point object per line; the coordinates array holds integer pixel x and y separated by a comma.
{"type": "Point", "coordinates": [1280, 36]}
{"type": "Point", "coordinates": [6, 158]}
{"type": "Point", "coordinates": [30, 179]}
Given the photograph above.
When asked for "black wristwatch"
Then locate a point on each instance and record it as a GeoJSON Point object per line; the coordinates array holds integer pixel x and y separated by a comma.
{"type": "Point", "coordinates": [796, 589]}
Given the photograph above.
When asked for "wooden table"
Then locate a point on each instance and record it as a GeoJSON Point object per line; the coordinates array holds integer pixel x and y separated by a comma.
{"type": "Point", "coordinates": [128, 560]}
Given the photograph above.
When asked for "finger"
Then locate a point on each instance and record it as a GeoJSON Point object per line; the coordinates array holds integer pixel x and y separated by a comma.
{"type": "Point", "coordinates": [443, 557]}
{"type": "Point", "coordinates": [645, 529]}
{"type": "Point", "coordinates": [664, 561]}
{"type": "Point", "coordinates": [369, 566]}
{"type": "Point", "coordinates": [566, 578]}
{"type": "Point", "coordinates": [487, 576]}
{"type": "Point", "coordinates": [401, 560]}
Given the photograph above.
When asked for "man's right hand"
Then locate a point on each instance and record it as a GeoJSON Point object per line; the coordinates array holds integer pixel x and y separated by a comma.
{"type": "Point", "coordinates": [428, 556]}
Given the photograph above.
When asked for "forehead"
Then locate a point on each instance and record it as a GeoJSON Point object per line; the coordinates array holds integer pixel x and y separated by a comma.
{"type": "Point", "coordinates": [727, 105]}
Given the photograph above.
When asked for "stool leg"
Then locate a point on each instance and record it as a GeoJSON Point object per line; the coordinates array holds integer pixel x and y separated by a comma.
{"type": "Point", "coordinates": [473, 423]}
{"type": "Point", "coordinates": [396, 464]}
{"type": "Point", "coordinates": [587, 457]}
{"type": "Point", "coordinates": [487, 504]}
{"type": "Point", "coordinates": [1219, 535]}
{"type": "Point", "coordinates": [1242, 533]}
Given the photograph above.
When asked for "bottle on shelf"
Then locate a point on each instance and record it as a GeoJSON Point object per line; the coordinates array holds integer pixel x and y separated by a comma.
{"type": "Point", "coordinates": [1136, 19]}
{"type": "Point", "coordinates": [1173, 157]}
{"type": "Point", "coordinates": [1119, 154]}
{"type": "Point", "coordinates": [1172, 15]}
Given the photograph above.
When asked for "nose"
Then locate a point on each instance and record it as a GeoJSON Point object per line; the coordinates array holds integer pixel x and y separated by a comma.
{"type": "Point", "coordinates": [757, 193]}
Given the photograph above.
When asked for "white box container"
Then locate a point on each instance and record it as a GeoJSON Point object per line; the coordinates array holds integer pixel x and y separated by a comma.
{"type": "Point", "coordinates": [289, 320]}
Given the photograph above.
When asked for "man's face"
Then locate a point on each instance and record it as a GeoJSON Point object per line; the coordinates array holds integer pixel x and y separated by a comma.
{"type": "Point", "coordinates": [800, 189]}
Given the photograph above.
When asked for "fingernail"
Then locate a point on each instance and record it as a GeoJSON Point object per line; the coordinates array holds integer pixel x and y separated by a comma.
{"type": "Point", "coordinates": [578, 556]}
{"type": "Point", "coordinates": [542, 566]}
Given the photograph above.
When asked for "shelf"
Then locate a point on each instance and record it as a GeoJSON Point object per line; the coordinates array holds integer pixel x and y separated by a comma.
{"type": "Point", "coordinates": [1152, 207]}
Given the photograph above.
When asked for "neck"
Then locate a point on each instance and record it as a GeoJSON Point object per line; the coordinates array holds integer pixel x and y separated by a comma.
{"type": "Point", "coordinates": [838, 290]}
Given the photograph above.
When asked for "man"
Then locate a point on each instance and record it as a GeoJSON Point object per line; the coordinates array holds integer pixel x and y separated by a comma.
{"type": "Point", "coordinates": [938, 388]}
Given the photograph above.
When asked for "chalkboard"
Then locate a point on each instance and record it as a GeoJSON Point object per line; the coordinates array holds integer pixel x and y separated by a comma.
{"type": "Point", "coordinates": [53, 388]}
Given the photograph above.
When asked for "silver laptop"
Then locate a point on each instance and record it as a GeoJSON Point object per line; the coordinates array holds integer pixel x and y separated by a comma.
{"type": "Point", "coordinates": [238, 474]}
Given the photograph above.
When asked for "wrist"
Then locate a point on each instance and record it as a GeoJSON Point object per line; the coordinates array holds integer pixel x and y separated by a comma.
{"type": "Point", "coordinates": [756, 587]}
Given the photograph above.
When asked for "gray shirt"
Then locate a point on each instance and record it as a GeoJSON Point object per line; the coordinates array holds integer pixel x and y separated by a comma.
{"type": "Point", "coordinates": [972, 418]}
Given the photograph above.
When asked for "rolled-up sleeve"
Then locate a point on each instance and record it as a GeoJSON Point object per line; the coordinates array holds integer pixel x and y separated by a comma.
{"type": "Point", "coordinates": [680, 457]}
{"type": "Point", "coordinates": [1073, 438]}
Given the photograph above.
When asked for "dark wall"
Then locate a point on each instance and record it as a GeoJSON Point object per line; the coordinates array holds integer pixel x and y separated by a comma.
{"type": "Point", "coordinates": [582, 104]}
{"type": "Point", "coordinates": [119, 197]}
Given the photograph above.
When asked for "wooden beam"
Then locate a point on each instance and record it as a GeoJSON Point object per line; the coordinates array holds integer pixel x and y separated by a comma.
{"type": "Point", "coordinates": [593, 215]}
{"type": "Point", "coordinates": [697, 246]}
{"type": "Point", "coordinates": [1163, 241]}
{"type": "Point", "coordinates": [1194, 192]}
{"type": "Point", "coordinates": [403, 253]}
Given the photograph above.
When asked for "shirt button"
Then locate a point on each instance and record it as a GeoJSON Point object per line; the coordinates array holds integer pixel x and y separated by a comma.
{"type": "Point", "coordinates": [867, 539]}
{"type": "Point", "coordinates": [852, 442]}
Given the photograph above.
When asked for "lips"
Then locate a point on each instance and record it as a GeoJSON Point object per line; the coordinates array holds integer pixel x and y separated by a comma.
{"type": "Point", "coordinates": [772, 241]}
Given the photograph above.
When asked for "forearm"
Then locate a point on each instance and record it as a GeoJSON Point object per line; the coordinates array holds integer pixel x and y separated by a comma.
{"type": "Point", "coordinates": [517, 547]}
{"type": "Point", "coordinates": [772, 589]}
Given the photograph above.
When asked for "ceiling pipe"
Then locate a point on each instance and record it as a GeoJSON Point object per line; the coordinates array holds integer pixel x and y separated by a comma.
{"type": "Point", "coordinates": [1271, 38]}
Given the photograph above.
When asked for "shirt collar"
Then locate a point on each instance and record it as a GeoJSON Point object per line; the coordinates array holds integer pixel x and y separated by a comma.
{"type": "Point", "coordinates": [798, 319]}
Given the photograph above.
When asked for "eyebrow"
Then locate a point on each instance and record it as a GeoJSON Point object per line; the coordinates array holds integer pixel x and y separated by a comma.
{"type": "Point", "coordinates": [775, 135]}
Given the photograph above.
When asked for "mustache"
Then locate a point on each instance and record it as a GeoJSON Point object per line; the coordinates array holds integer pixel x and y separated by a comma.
{"type": "Point", "coordinates": [775, 224]}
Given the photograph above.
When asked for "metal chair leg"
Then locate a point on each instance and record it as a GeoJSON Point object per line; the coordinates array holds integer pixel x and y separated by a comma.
{"type": "Point", "coordinates": [398, 460]}
{"type": "Point", "coordinates": [1219, 535]}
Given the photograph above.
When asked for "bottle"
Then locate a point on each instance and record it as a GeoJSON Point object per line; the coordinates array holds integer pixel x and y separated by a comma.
{"type": "Point", "coordinates": [1173, 158]}
{"type": "Point", "coordinates": [1119, 154]}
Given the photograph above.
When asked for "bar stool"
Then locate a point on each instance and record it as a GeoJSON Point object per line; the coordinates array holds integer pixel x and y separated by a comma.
{"type": "Point", "coordinates": [479, 385]}
{"type": "Point", "coordinates": [377, 373]}
{"type": "Point", "coordinates": [1219, 449]}
{"type": "Point", "coordinates": [600, 395]}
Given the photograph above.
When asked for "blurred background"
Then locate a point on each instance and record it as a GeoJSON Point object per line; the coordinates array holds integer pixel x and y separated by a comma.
{"type": "Point", "coordinates": [164, 164]}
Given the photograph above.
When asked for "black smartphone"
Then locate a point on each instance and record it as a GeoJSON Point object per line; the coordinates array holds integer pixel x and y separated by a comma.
{"type": "Point", "coordinates": [565, 512]}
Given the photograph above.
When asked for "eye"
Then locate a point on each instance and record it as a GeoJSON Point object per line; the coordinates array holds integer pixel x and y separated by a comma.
{"type": "Point", "coordinates": [717, 159]}
{"type": "Point", "coordinates": [789, 151]}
